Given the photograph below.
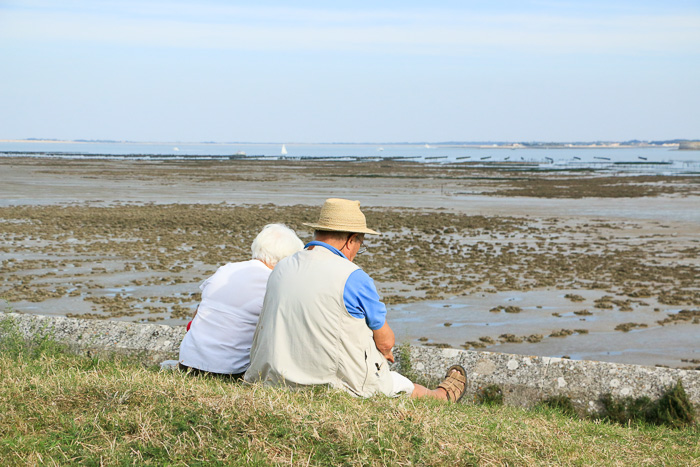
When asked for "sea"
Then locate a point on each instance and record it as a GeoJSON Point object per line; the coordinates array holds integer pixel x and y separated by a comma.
{"type": "Point", "coordinates": [657, 160]}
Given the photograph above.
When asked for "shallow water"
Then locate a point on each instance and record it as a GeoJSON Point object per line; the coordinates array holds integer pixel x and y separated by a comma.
{"type": "Point", "coordinates": [664, 228]}
{"type": "Point", "coordinates": [469, 319]}
{"type": "Point", "coordinates": [637, 159]}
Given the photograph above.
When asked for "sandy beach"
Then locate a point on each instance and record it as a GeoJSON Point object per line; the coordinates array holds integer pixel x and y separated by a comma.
{"type": "Point", "coordinates": [585, 265]}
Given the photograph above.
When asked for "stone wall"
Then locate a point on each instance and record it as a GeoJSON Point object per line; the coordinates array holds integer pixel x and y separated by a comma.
{"type": "Point", "coordinates": [524, 380]}
{"type": "Point", "coordinates": [152, 343]}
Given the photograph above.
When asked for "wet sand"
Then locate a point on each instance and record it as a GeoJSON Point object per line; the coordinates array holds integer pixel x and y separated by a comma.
{"type": "Point", "coordinates": [132, 240]}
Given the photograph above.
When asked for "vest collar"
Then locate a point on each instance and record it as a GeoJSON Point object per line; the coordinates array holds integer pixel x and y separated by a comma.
{"type": "Point", "coordinates": [331, 248]}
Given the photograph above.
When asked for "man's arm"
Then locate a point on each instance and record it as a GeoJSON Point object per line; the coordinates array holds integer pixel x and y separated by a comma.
{"type": "Point", "coordinates": [384, 340]}
{"type": "Point", "coordinates": [362, 301]}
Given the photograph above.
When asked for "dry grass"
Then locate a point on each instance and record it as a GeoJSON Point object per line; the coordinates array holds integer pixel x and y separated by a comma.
{"type": "Point", "coordinates": [61, 409]}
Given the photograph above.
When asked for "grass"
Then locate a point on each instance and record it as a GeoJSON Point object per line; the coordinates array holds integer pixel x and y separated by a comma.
{"type": "Point", "coordinates": [490, 395]}
{"type": "Point", "coordinates": [672, 409]}
{"type": "Point", "coordinates": [58, 408]}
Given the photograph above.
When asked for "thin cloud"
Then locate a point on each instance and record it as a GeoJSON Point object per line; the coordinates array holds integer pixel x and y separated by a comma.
{"type": "Point", "coordinates": [453, 32]}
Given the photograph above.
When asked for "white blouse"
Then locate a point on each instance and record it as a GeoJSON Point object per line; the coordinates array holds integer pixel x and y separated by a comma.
{"type": "Point", "coordinates": [221, 333]}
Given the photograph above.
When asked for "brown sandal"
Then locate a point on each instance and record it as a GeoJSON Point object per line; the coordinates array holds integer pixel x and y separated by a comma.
{"type": "Point", "coordinates": [455, 383]}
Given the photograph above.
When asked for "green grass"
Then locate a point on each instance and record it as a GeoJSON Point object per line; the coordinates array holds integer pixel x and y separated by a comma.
{"type": "Point", "coordinates": [490, 395]}
{"type": "Point", "coordinates": [672, 409]}
{"type": "Point", "coordinates": [58, 408]}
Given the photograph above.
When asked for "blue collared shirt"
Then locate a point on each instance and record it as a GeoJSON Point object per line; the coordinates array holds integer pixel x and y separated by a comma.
{"type": "Point", "coordinates": [360, 295]}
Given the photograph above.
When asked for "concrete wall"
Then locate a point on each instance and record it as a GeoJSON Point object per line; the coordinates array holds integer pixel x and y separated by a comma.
{"type": "Point", "coordinates": [524, 380]}
{"type": "Point", "coordinates": [152, 343]}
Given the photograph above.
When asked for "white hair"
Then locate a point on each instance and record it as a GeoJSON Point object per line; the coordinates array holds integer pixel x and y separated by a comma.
{"type": "Point", "coordinates": [274, 242]}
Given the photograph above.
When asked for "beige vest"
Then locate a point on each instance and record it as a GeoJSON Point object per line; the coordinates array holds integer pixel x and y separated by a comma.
{"type": "Point", "coordinates": [305, 334]}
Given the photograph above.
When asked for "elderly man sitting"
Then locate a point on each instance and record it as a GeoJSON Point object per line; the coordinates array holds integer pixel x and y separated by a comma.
{"type": "Point", "coordinates": [323, 323]}
{"type": "Point", "coordinates": [221, 333]}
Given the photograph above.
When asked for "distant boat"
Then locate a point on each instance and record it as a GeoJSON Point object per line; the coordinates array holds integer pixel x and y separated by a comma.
{"type": "Point", "coordinates": [284, 150]}
{"type": "Point", "coordinates": [380, 149]}
{"type": "Point", "coordinates": [240, 153]}
{"type": "Point", "coordinates": [427, 146]}
{"type": "Point", "coordinates": [176, 149]}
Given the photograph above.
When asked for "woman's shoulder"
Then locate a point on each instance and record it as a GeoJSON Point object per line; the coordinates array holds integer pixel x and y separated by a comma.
{"type": "Point", "coordinates": [252, 266]}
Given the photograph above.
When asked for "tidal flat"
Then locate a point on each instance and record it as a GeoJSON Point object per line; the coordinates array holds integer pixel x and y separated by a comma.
{"type": "Point", "coordinates": [494, 257]}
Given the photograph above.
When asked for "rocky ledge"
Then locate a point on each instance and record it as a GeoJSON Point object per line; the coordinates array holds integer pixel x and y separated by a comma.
{"type": "Point", "coordinates": [523, 380]}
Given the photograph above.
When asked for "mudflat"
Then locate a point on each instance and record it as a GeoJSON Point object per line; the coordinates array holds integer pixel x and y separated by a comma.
{"type": "Point", "coordinates": [502, 257]}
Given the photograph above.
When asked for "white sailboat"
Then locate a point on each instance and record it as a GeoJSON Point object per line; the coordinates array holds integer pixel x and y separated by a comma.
{"type": "Point", "coordinates": [284, 150]}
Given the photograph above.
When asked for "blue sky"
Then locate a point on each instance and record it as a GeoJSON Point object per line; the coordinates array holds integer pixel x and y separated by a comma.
{"type": "Point", "coordinates": [313, 71]}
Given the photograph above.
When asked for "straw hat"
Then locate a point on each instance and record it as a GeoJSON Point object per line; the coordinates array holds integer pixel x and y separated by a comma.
{"type": "Point", "coordinates": [342, 215]}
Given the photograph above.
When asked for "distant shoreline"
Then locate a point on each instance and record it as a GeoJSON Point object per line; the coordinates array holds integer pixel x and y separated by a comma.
{"type": "Point", "coordinates": [673, 144]}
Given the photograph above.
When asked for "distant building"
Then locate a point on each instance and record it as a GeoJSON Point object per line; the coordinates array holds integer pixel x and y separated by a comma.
{"type": "Point", "coordinates": [689, 145]}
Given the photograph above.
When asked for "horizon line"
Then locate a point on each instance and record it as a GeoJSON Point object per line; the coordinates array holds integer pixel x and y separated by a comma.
{"type": "Point", "coordinates": [451, 142]}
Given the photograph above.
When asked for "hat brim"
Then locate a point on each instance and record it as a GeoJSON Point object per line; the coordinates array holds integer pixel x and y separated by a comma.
{"type": "Point", "coordinates": [341, 229]}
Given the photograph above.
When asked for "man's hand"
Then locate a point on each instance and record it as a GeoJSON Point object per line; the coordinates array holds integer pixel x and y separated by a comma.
{"type": "Point", "coordinates": [384, 340]}
{"type": "Point", "coordinates": [389, 356]}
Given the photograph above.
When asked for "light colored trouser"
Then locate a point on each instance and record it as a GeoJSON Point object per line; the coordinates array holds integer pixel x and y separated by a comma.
{"type": "Point", "coordinates": [401, 384]}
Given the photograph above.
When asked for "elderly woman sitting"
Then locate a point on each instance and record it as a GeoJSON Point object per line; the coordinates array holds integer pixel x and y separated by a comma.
{"type": "Point", "coordinates": [221, 333]}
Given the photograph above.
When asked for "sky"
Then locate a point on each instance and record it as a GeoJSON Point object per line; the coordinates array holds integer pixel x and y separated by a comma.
{"type": "Point", "coordinates": [361, 71]}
